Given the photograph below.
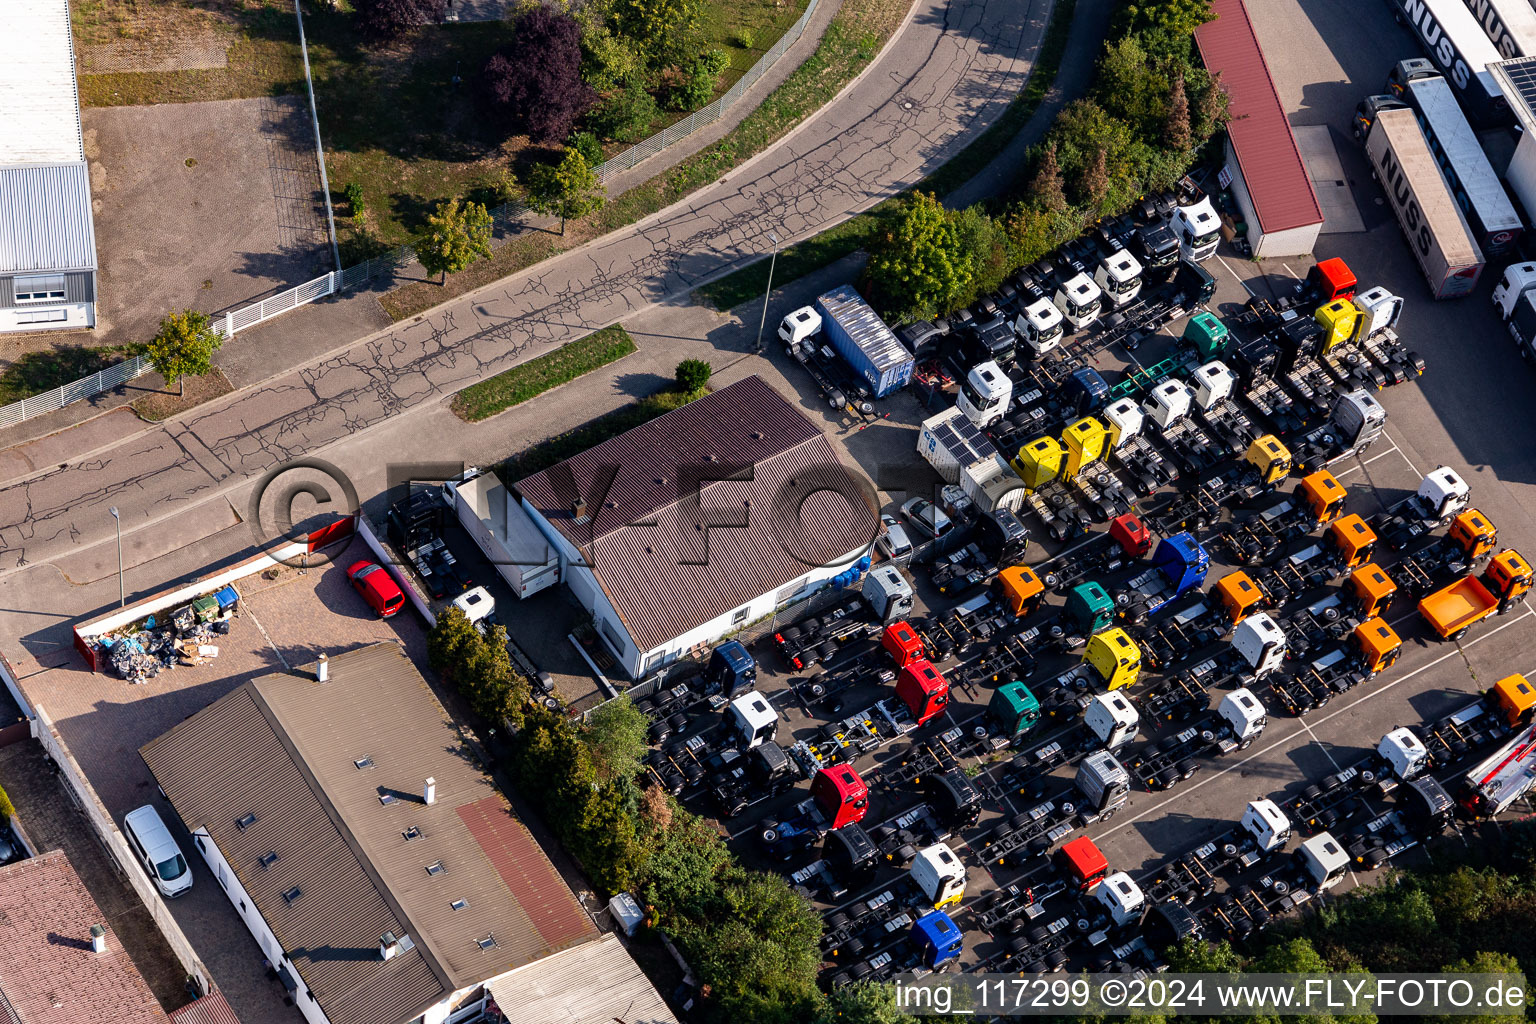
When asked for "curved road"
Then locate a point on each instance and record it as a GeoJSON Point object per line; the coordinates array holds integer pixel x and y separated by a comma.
{"type": "Point", "coordinates": [948, 73]}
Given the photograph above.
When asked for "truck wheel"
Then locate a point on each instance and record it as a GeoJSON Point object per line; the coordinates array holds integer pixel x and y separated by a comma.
{"type": "Point", "coordinates": [770, 834]}
{"type": "Point", "coordinates": [1245, 744]}
{"type": "Point", "coordinates": [1456, 636]}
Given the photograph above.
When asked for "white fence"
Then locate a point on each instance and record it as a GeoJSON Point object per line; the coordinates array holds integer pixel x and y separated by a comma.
{"type": "Point", "coordinates": [238, 320]}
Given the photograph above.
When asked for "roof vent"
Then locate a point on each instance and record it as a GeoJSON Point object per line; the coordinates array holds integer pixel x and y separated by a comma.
{"type": "Point", "coordinates": [757, 435]}
{"type": "Point", "coordinates": [98, 939]}
{"type": "Point", "coordinates": [388, 945]}
{"type": "Point", "coordinates": [246, 822]}
{"type": "Point", "coordinates": [579, 510]}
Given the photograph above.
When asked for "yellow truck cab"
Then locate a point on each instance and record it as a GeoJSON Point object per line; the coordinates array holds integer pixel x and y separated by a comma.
{"type": "Point", "coordinates": [1039, 462]}
{"type": "Point", "coordinates": [1115, 657]}
{"type": "Point", "coordinates": [1086, 442]}
{"type": "Point", "coordinates": [1021, 589]}
{"type": "Point", "coordinates": [1340, 320]}
{"type": "Point", "coordinates": [1271, 458]}
{"type": "Point", "coordinates": [1353, 540]}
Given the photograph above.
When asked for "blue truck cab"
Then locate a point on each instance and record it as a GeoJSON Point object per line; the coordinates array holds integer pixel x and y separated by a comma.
{"type": "Point", "coordinates": [938, 941]}
{"type": "Point", "coordinates": [732, 668]}
{"type": "Point", "coordinates": [1085, 391]}
{"type": "Point", "coordinates": [1179, 565]}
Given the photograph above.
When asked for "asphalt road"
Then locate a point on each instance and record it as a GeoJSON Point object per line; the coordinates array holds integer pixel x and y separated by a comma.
{"type": "Point", "coordinates": [943, 79]}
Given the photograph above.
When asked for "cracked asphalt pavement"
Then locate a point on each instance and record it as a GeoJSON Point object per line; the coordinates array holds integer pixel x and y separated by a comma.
{"type": "Point", "coordinates": [947, 75]}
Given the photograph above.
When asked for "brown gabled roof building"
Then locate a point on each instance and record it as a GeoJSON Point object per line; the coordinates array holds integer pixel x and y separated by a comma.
{"type": "Point", "coordinates": [374, 861]}
{"type": "Point", "coordinates": [679, 530]}
{"type": "Point", "coordinates": [50, 972]}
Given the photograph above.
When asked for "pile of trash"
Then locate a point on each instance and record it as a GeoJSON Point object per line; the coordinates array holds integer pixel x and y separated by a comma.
{"type": "Point", "coordinates": [184, 637]}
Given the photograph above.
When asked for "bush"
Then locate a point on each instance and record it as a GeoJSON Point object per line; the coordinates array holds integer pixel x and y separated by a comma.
{"type": "Point", "coordinates": [745, 39]}
{"type": "Point", "coordinates": [626, 115]}
{"type": "Point", "coordinates": [697, 87]}
{"type": "Point", "coordinates": [588, 145]}
{"type": "Point", "coordinates": [479, 666]}
{"type": "Point", "coordinates": [7, 809]}
{"type": "Point", "coordinates": [616, 737]}
{"type": "Point", "coordinates": [384, 20]}
{"type": "Point", "coordinates": [535, 85]}
{"type": "Point", "coordinates": [354, 195]}
{"type": "Point", "coordinates": [692, 375]}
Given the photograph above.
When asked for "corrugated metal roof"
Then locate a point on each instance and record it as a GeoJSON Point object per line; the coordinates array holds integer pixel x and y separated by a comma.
{"type": "Point", "coordinates": [45, 218]}
{"type": "Point", "coordinates": [212, 1008]}
{"type": "Point", "coordinates": [1272, 167]}
{"type": "Point", "coordinates": [284, 748]}
{"type": "Point", "coordinates": [795, 506]}
{"type": "Point", "coordinates": [561, 991]}
{"type": "Point", "coordinates": [48, 972]}
{"type": "Point", "coordinates": [40, 116]}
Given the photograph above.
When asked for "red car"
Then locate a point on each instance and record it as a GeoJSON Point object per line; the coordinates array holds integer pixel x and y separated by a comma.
{"type": "Point", "coordinates": [377, 587]}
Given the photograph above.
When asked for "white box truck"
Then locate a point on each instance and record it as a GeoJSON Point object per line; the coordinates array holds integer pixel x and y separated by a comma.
{"type": "Point", "coordinates": [506, 533]}
{"type": "Point", "coordinates": [1432, 222]}
{"type": "Point", "coordinates": [949, 441]}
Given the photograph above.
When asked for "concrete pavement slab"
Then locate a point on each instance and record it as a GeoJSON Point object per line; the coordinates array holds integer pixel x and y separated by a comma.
{"type": "Point", "coordinates": [1340, 214]}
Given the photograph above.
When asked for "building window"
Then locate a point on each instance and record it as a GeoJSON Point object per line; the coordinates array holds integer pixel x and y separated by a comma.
{"type": "Point", "coordinates": [740, 615]}
{"type": "Point", "coordinates": [789, 593]}
{"type": "Point", "coordinates": [48, 288]}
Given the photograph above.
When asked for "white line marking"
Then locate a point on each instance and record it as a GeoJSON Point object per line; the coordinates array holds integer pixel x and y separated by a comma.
{"type": "Point", "coordinates": [1282, 742]}
{"type": "Point", "coordinates": [1235, 277]}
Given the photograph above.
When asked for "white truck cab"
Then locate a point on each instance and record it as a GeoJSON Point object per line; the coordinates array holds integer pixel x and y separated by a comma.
{"type": "Point", "coordinates": [1079, 300]}
{"type": "Point", "coordinates": [939, 874]}
{"type": "Point", "coordinates": [1121, 898]}
{"type": "Point", "coordinates": [1404, 753]}
{"type": "Point", "coordinates": [1040, 326]}
{"type": "Point", "coordinates": [1518, 279]}
{"type": "Point", "coordinates": [1443, 494]}
{"type": "Point", "coordinates": [1267, 824]}
{"type": "Point", "coordinates": [1104, 784]}
{"type": "Point", "coordinates": [1198, 228]}
{"type": "Point", "coordinates": [1124, 418]}
{"type": "Point", "coordinates": [1381, 309]}
{"type": "Point", "coordinates": [1243, 712]}
{"type": "Point", "coordinates": [1214, 382]}
{"type": "Point", "coordinates": [800, 326]}
{"type": "Point", "coordinates": [984, 394]}
{"type": "Point", "coordinates": [1118, 275]}
{"type": "Point", "coordinates": [1112, 718]}
{"type": "Point", "coordinates": [1260, 642]}
{"type": "Point", "coordinates": [1324, 860]}
{"type": "Point", "coordinates": [752, 719]}
{"type": "Point", "coordinates": [1168, 403]}
{"type": "Point", "coordinates": [478, 607]}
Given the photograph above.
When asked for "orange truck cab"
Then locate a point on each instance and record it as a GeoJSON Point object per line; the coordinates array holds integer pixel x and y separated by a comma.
{"type": "Point", "coordinates": [923, 690]}
{"type": "Point", "coordinates": [1516, 697]}
{"type": "Point", "coordinates": [1322, 495]}
{"type": "Point", "coordinates": [902, 643]}
{"type": "Point", "coordinates": [1377, 645]}
{"type": "Point", "coordinates": [1371, 591]}
{"type": "Point", "coordinates": [841, 795]}
{"type": "Point", "coordinates": [1082, 863]}
{"type": "Point", "coordinates": [1452, 610]}
{"type": "Point", "coordinates": [1352, 540]}
{"type": "Point", "coordinates": [1021, 589]}
{"type": "Point", "coordinates": [1239, 596]}
{"type": "Point", "coordinates": [1474, 533]}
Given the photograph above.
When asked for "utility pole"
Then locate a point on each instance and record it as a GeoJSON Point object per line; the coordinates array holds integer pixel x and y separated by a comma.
{"type": "Point", "coordinates": [762, 322]}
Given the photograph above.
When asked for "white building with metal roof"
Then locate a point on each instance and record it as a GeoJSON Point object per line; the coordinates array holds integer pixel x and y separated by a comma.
{"type": "Point", "coordinates": [47, 235]}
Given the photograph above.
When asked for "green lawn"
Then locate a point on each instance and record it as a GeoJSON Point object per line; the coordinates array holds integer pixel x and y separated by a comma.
{"type": "Point", "coordinates": [37, 372]}
{"type": "Point", "coordinates": [852, 235]}
{"type": "Point", "coordinates": [526, 380]}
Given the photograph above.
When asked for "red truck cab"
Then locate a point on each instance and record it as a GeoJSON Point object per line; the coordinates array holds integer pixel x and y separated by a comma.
{"type": "Point", "coordinates": [1131, 534]}
{"type": "Point", "coordinates": [923, 690]}
{"type": "Point", "coordinates": [841, 794]}
{"type": "Point", "coordinates": [1329, 280]}
{"type": "Point", "coordinates": [902, 643]}
{"type": "Point", "coordinates": [1082, 863]}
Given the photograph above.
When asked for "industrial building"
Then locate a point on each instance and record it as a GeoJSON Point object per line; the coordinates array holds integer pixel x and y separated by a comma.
{"type": "Point", "coordinates": [1264, 168]}
{"type": "Point", "coordinates": [384, 877]}
{"type": "Point", "coordinates": [706, 519]}
{"type": "Point", "coordinates": [47, 234]}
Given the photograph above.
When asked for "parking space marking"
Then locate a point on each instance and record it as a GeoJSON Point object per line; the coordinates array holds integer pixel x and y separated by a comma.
{"type": "Point", "coordinates": [1361, 464]}
{"type": "Point", "coordinates": [1236, 277]}
{"type": "Point", "coordinates": [1282, 742]}
{"type": "Point", "coordinates": [1326, 752]}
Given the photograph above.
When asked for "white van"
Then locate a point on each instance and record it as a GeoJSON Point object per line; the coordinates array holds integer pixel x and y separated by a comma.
{"type": "Point", "coordinates": [152, 843]}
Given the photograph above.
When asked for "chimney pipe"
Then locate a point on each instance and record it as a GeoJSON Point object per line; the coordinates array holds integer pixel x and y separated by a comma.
{"type": "Point", "coordinates": [388, 945]}
{"type": "Point", "coordinates": [98, 939]}
{"type": "Point", "coordinates": [429, 791]}
{"type": "Point", "coordinates": [323, 669]}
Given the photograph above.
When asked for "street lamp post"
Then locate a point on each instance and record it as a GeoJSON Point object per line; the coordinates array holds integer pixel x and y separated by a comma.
{"type": "Point", "coordinates": [122, 599]}
{"type": "Point", "coordinates": [762, 322]}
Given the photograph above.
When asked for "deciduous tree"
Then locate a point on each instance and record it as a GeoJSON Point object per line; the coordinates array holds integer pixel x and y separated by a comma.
{"type": "Point", "coordinates": [918, 266]}
{"type": "Point", "coordinates": [666, 32]}
{"type": "Point", "coordinates": [615, 735]}
{"type": "Point", "coordinates": [1176, 129]}
{"type": "Point", "coordinates": [457, 235]}
{"type": "Point", "coordinates": [183, 347]}
{"type": "Point", "coordinates": [534, 85]}
{"type": "Point", "coordinates": [569, 188]}
{"type": "Point", "coordinates": [388, 19]}
{"type": "Point", "coordinates": [1046, 189]}
{"type": "Point", "coordinates": [626, 115]}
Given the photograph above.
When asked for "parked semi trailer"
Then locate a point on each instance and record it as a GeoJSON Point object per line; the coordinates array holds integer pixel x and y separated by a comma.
{"type": "Point", "coordinates": [1446, 252]}
{"type": "Point", "coordinates": [1451, 37]}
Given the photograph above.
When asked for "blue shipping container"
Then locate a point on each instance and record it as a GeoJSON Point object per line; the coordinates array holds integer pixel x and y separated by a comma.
{"type": "Point", "coordinates": [864, 341]}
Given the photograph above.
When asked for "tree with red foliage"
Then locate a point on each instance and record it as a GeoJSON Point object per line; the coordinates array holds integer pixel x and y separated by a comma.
{"type": "Point", "coordinates": [534, 85]}
{"type": "Point", "coordinates": [388, 19]}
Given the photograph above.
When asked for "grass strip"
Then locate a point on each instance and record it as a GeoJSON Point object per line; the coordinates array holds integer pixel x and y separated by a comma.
{"type": "Point", "coordinates": [853, 234]}
{"type": "Point", "coordinates": [851, 41]}
{"type": "Point", "coordinates": [573, 442]}
{"type": "Point", "coordinates": [536, 376]}
{"type": "Point", "coordinates": [33, 373]}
